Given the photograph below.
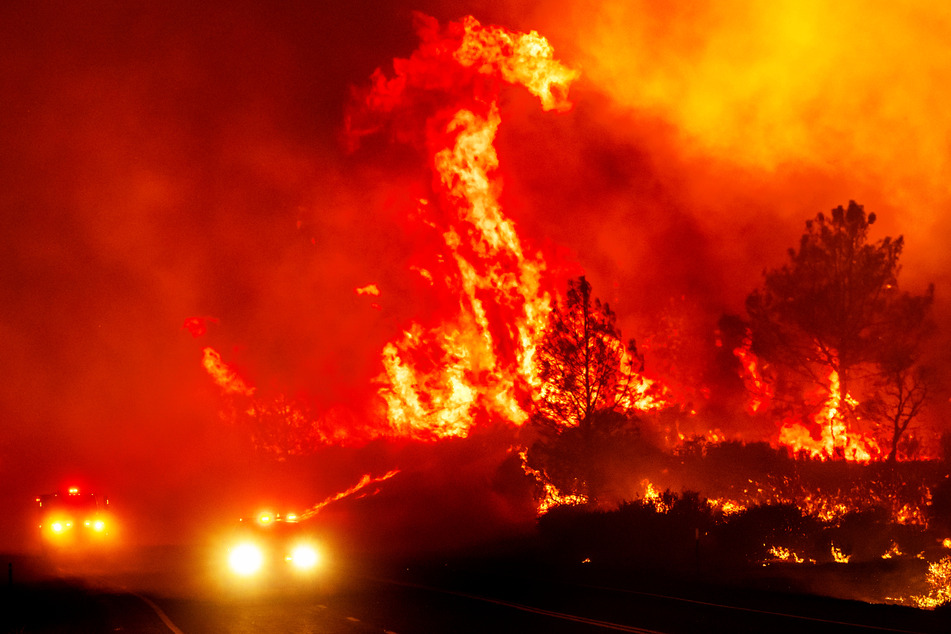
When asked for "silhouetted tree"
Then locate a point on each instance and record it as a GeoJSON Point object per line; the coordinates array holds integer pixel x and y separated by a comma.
{"type": "Point", "coordinates": [590, 389]}
{"type": "Point", "coordinates": [835, 306]}
{"type": "Point", "coordinates": [904, 386]}
{"type": "Point", "coordinates": [905, 393]}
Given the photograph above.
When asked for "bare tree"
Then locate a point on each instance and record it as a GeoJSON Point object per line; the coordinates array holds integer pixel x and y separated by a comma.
{"type": "Point", "coordinates": [906, 391]}
{"type": "Point", "coordinates": [905, 383]}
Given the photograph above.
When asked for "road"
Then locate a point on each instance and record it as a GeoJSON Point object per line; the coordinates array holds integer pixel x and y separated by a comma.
{"type": "Point", "coordinates": [178, 589]}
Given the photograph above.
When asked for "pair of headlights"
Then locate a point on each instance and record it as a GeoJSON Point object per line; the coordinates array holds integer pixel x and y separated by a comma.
{"type": "Point", "coordinates": [61, 526]}
{"type": "Point", "coordinates": [247, 559]}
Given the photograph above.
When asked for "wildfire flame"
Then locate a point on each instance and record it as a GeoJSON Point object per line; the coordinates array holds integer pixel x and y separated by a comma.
{"type": "Point", "coordinates": [939, 581]}
{"type": "Point", "coordinates": [437, 381]}
{"type": "Point", "coordinates": [836, 438]}
{"type": "Point", "coordinates": [476, 365]}
{"type": "Point", "coordinates": [760, 391]}
{"type": "Point", "coordinates": [552, 497]}
{"type": "Point", "coordinates": [727, 507]}
{"type": "Point", "coordinates": [839, 557]}
{"type": "Point", "coordinates": [655, 499]}
{"type": "Point", "coordinates": [781, 553]}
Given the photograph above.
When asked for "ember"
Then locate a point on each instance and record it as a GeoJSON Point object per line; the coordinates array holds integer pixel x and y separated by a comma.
{"type": "Point", "coordinates": [364, 482]}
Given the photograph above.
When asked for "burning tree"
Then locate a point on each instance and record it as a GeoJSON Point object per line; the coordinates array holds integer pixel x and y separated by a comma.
{"type": "Point", "coordinates": [591, 391]}
{"type": "Point", "coordinates": [831, 317]}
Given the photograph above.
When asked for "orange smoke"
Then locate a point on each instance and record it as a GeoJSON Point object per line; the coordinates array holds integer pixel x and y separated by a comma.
{"type": "Point", "coordinates": [772, 82]}
{"type": "Point", "coordinates": [852, 90]}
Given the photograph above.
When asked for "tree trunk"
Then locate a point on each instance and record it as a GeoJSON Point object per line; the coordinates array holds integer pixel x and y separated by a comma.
{"type": "Point", "coordinates": [893, 452]}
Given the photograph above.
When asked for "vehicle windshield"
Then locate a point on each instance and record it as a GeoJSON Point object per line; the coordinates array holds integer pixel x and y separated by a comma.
{"type": "Point", "coordinates": [72, 502]}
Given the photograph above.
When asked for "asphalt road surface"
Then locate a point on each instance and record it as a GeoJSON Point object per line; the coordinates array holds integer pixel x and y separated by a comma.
{"type": "Point", "coordinates": [178, 589]}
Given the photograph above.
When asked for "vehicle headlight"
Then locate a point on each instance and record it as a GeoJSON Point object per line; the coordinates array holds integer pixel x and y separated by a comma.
{"type": "Point", "coordinates": [99, 526]}
{"type": "Point", "coordinates": [246, 559]}
{"type": "Point", "coordinates": [303, 557]}
{"type": "Point", "coordinates": [57, 527]}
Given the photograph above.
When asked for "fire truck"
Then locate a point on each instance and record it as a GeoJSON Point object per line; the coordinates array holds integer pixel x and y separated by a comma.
{"type": "Point", "coordinates": [73, 520]}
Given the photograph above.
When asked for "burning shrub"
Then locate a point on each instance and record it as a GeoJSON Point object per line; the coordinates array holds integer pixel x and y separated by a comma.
{"type": "Point", "coordinates": [635, 535]}
{"type": "Point", "coordinates": [939, 580]}
{"type": "Point", "coordinates": [749, 535]}
{"type": "Point", "coordinates": [863, 535]}
{"type": "Point", "coordinates": [595, 462]}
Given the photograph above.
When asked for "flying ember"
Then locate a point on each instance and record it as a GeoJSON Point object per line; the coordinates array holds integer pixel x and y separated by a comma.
{"type": "Point", "coordinates": [364, 482]}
